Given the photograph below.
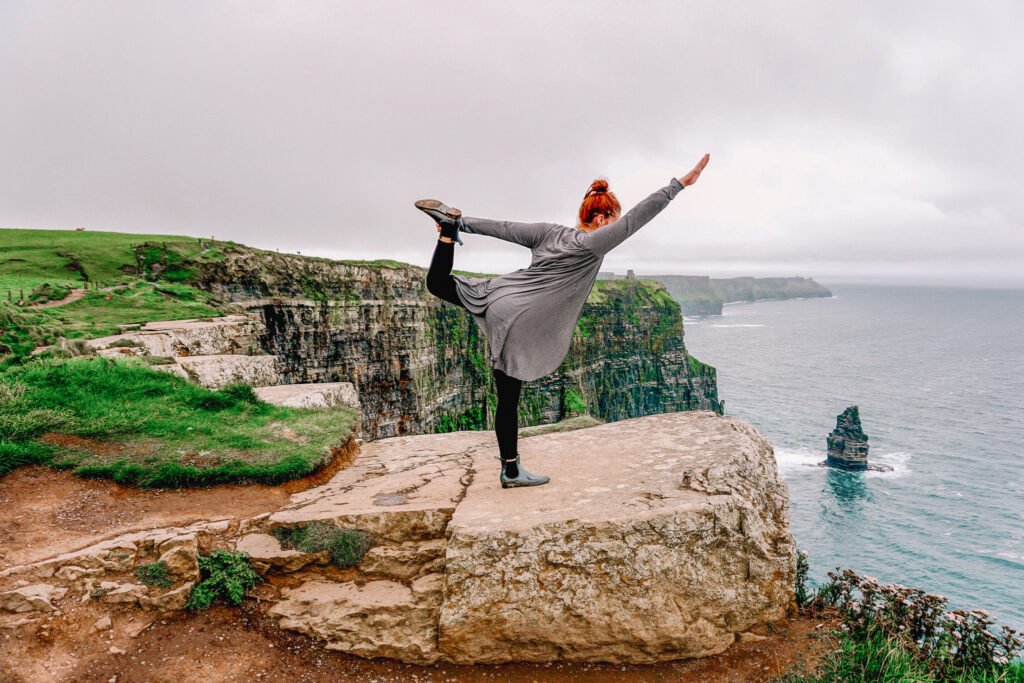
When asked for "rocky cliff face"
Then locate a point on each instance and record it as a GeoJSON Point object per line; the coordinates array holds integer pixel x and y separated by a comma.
{"type": "Point", "coordinates": [419, 364]}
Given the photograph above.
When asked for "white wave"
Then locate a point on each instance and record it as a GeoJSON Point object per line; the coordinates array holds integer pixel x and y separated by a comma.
{"type": "Point", "coordinates": [788, 458]}
{"type": "Point", "coordinates": [792, 459]}
{"type": "Point", "coordinates": [894, 457]}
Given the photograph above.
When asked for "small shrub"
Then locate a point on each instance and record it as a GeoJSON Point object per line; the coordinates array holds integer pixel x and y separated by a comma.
{"type": "Point", "coordinates": [347, 546]}
{"type": "Point", "coordinates": [77, 347]}
{"type": "Point", "coordinates": [224, 398]}
{"type": "Point", "coordinates": [154, 574]}
{"type": "Point", "coordinates": [950, 646]}
{"type": "Point", "coordinates": [126, 343]}
{"type": "Point", "coordinates": [224, 576]}
{"type": "Point", "coordinates": [802, 568]}
{"type": "Point", "coordinates": [242, 393]}
{"type": "Point", "coordinates": [575, 404]}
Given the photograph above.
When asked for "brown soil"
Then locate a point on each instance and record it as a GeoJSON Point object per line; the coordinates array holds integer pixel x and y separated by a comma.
{"type": "Point", "coordinates": [47, 512]}
{"type": "Point", "coordinates": [73, 295]}
{"type": "Point", "coordinates": [244, 645]}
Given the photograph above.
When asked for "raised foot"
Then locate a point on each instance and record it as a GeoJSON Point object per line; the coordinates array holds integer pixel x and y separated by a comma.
{"type": "Point", "coordinates": [437, 209]}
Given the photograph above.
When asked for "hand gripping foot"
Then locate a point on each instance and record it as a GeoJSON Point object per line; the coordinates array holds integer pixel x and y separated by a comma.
{"type": "Point", "coordinates": [523, 479]}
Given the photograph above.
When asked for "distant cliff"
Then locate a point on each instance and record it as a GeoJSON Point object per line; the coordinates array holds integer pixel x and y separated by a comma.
{"type": "Point", "coordinates": [419, 365]}
{"type": "Point", "coordinates": [703, 295]}
{"type": "Point", "coordinates": [763, 288]}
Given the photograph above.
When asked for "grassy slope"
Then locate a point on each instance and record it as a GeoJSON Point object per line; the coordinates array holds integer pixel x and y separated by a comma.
{"type": "Point", "coordinates": [142, 426]}
{"type": "Point", "coordinates": [31, 257]}
{"type": "Point", "coordinates": [168, 432]}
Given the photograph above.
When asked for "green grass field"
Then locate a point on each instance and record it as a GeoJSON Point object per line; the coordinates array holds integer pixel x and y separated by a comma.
{"type": "Point", "coordinates": [123, 420]}
{"type": "Point", "coordinates": [30, 257]}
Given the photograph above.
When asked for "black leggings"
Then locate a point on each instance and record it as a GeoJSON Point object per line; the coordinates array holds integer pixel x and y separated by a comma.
{"type": "Point", "coordinates": [506, 417]}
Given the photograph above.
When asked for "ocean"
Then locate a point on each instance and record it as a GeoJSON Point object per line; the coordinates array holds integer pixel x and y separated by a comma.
{"type": "Point", "coordinates": [938, 374]}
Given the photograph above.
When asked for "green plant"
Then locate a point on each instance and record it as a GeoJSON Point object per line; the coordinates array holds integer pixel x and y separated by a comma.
{"type": "Point", "coordinates": [154, 574]}
{"type": "Point", "coordinates": [347, 546]}
{"type": "Point", "coordinates": [802, 568]}
{"type": "Point", "coordinates": [126, 343]}
{"type": "Point", "coordinates": [575, 404]}
{"type": "Point", "coordinates": [224, 576]}
{"type": "Point", "coordinates": [952, 645]}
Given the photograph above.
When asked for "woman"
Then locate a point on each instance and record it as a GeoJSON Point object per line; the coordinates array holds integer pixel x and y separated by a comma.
{"type": "Point", "coordinates": [529, 315]}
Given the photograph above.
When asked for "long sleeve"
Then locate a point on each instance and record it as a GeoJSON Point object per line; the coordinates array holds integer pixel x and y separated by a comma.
{"type": "Point", "coordinates": [526, 234]}
{"type": "Point", "coordinates": [606, 238]}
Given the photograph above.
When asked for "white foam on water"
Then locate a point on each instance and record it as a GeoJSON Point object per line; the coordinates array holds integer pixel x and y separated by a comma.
{"type": "Point", "coordinates": [792, 460]}
{"type": "Point", "coordinates": [896, 459]}
{"type": "Point", "coordinates": [901, 457]}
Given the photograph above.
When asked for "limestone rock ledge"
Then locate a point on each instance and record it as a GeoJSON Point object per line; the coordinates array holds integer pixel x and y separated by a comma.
{"type": "Point", "coordinates": [658, 538]}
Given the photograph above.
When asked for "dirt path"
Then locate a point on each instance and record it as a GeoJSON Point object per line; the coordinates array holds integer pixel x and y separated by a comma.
{"type": "Point", "coordinates": [74, 295]}
{"type": "Point", "coordinates": [47, 512]}
{"type": "Point", "coordinates": [243, 645]}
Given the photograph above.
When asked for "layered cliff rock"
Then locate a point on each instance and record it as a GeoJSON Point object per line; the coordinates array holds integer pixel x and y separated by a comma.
{"type": "Point", "coordinates": [419, 364]}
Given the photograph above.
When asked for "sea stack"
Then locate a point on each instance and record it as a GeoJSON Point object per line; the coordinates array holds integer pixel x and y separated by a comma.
{"type": "Point", "coordinates": [848, 444]}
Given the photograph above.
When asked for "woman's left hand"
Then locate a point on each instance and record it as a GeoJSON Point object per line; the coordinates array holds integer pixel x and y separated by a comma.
{"type": "Point", "coordinates": [691, 177]}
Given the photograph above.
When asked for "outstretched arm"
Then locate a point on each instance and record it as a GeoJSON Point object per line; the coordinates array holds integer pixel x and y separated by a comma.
{"type": "Point", "coordinates": [526, 234]}
{"type": "Point", "coordinates": [606, 238]}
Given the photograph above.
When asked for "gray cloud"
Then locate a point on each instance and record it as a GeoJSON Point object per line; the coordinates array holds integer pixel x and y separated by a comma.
{"type": "Point", "coordinates": [870, 140]}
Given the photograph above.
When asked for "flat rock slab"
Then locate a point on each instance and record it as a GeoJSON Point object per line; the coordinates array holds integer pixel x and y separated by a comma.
{"type": "Point", "coordinates": [401, 489]}
{"type": "Point", "coordinates": [311, 395]}
{"type": "Point", "coordinates": [657, 538]}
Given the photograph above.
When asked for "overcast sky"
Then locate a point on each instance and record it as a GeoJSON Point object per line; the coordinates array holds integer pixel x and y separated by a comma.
{"type": "Point", "coordinates": [849, 140]}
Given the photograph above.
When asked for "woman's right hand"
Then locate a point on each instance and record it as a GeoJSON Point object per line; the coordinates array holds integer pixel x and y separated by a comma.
{"type": "Point", "coordinates": [691, 177]}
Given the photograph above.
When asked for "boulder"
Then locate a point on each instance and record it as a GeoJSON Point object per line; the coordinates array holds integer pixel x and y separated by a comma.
{"type": "Point", "coordinates": [114, 592]}
{"type": "Point", "coordinates": [376, 619]}
{"type": "Point", "coordinates": [228, 334]}
{"type": "Point", "coordinates": [311, 395]}
{"type": "Point", "coordinates": [266, 553]}
{"type": "Point", "coordinates": [399, 490]}
{"type": "Point", "coordinates": [36, 597]}
{"type": "Point", "coordinates": [217, 371]}
{"type": "Point", "coordinates": [405, 561]}
{"type": "Point", "coordinates": [181, 556]}
{"type": "Point", "coordinates": [657, 538]}
{"type": "Point", "coordinates": [171, 600]}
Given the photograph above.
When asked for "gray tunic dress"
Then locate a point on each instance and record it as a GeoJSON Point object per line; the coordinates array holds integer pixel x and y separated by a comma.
{"type": "Point", "coordinates": [529, 315]}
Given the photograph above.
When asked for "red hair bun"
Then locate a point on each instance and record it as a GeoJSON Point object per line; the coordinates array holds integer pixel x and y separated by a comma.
{"type": "Point", "coordinates": [598, 200]}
